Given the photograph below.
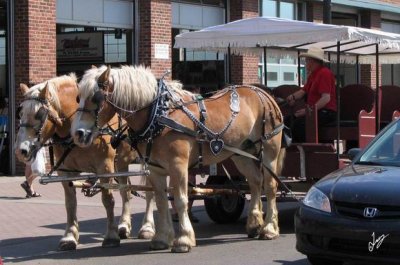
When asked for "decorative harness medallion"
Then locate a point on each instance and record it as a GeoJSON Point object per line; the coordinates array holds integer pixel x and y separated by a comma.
{"type": "Point", "coordinates": [216, 146]}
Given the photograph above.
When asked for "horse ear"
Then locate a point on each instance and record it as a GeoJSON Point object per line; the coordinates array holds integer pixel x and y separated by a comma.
{"type": "Point", "coordinates": [94, 66]}
{"type": "Point", "coordinates": [104, 77]}
{"type": "Point", "coordinates": [23, 88]}
{"type": "Point", "coordinates": [44, 93]}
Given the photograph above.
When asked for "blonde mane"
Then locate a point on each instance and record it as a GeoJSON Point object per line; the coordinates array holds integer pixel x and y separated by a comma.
{"type": "Point", "coordinates": [31, 106]}
{"type": "Point", "coordinates": [135, 87]}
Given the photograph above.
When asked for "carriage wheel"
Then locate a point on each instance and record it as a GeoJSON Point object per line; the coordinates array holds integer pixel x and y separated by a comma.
{"type": "Point", "coordinates": [223, 209]}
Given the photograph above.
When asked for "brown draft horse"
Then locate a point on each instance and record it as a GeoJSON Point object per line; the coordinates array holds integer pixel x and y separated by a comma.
{"type": "Point", "coordinates": [165, 120]}
{"type": "Point", "coordinates": [47, 112]}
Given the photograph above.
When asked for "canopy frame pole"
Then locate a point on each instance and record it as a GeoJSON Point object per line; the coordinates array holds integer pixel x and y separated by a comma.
{"type": "Point", "coordinates": [228, 66]}
{"type": "Point", "coordinates": [265, 65]}
{"type": "Point", "coordinates": [298, 68]}
{"type": "Point", "coordinates": [378, 109]}
{"type": "Point", "coordinates": [358, 69]}
{"type": "Point", "coordinates": [338, 98]}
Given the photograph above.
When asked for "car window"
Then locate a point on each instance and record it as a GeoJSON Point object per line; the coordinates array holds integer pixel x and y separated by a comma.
{"type": "Point", "coordinates": [385, 150]}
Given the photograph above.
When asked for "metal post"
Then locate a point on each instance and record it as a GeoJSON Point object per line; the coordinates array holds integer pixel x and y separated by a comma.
{"type": "Point", "coordinates": [327, 17]}
{"type": "Point", "coordinates": [298, 69]}
{"type": "Point", "coordinates": [265, 66]}
{"type": "Point", "coordinates": [228, 66]}
{"type": "Point", "coordinates": [338, 99]}
{"type": "Point", "coordinates": [136, 32]}
{"type": "Point", "coordinates": [378, 109]}
{"type": "Point", "coordinates": [358, 69]}
{"type": "Point", "coordinates": [11, 83]}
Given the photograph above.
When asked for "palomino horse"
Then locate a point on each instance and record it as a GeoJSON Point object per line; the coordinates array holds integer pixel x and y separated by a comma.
{"type": "Point", "coordinates": [176, 131]}
{"type": "Point", "coordinates": [47, 112]}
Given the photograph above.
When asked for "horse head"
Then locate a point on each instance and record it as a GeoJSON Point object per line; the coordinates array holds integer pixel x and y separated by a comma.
{"type": "Point", "coordinates": [39, 119]}
{"type": "Point", "coordinates": [94, 110]}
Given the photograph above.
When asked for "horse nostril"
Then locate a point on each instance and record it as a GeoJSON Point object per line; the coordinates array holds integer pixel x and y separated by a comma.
{"type": "Point", "coordinates": [24, 152]}
{"type": "Point", "coordinates": [80, 134]}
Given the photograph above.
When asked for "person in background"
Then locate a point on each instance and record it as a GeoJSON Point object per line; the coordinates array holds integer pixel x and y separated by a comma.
{"type": "Point", "coordinates": [320, 91]}
{"type": "Point", "coordinates": [36, 168]}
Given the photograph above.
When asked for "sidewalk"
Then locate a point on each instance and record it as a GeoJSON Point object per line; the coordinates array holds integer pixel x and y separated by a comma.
{"type": "Point", "coordinates": [43, 219]}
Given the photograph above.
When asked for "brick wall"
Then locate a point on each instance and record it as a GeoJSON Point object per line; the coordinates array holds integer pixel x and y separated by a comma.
{"type": "Point", "coordinates": [315, 12]}
{"type": "Point", "coordinates": [155, 18]}
{"type": "Point", "coordinates": [393, 2]}
{"type": "Point", "coordinates": [244, 69]}
{"type": "Point", "coordinates": [35, 39]}
{"type": "Point", "coordinates": [370, 19]}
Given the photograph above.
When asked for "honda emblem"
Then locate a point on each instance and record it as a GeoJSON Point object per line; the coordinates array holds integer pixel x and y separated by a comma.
{"type": "Point", "coordinates": [370, 212]}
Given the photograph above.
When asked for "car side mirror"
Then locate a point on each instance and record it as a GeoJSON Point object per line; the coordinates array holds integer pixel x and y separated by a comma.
{"type": "Point", "coordinates": [353, 152]}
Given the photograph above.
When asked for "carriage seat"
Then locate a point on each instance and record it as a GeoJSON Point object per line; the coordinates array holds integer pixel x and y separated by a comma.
{"type": "Point", "coordinates": [357, 118]}
{"type": "Point", "coordinates": [389, 103]}
{"type": "Point", "coordinates": [283, 92]}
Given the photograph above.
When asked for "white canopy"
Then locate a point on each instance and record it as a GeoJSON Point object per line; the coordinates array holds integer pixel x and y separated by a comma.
{"type": "Point", "coordinates": [244, 36]}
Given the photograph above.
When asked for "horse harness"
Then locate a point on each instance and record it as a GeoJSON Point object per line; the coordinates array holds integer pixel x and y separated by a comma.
{"type": "Point", "coordinates": [158, 119]}
{"type": "Point", "coordinates": [41, 115]}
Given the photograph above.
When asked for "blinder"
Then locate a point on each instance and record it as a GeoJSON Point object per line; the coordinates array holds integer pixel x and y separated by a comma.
{"type": "Point", "coordinates": [41, 114]}
{"type": "Point", "coordinates": [18, 111]}
{"type": "Point", "coordinates": [98, 97]}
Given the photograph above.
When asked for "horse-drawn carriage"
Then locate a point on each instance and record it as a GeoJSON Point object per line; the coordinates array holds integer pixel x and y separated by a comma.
{"type": "Point", "coordinates": [173, 130]}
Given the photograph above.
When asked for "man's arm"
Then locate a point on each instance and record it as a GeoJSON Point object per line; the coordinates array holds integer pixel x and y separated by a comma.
{"type": "Point", "coordinates": [321, 103]}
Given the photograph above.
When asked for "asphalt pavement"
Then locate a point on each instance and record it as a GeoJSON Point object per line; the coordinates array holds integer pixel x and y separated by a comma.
{"type": "Point", "coordinates": [31, 228]}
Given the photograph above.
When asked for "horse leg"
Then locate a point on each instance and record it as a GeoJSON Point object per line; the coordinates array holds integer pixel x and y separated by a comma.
{"type": "Point", "coordinates": [270, 230]}
{"type": "Point", "coordinates": [124, 227]}
{"type": "Point", "coordinates": [147, 230]}
{"type": "Point", "coordinates": [186, 238]}
{"type": "Point", "coordinates": [111, 238]}
{"type": "Point", "coordinates": [164, 230]}
{"type": "Point", "coordinates": [71, 235]}
{"type": "Point", "coordinates": [249, 169]}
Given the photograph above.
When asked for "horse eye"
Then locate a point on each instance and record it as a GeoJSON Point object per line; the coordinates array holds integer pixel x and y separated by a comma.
{"type": "Point", "coordinates": [77, 99]}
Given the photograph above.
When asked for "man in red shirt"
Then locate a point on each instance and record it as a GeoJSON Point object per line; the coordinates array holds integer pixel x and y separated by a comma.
{"type": "Point", "coordinates": [320, 90]}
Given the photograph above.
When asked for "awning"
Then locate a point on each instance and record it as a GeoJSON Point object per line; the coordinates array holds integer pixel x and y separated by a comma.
{"type": "Point", "coordinates": [369, 4]}
{"type": "Point", "coordinates": [246, 36]}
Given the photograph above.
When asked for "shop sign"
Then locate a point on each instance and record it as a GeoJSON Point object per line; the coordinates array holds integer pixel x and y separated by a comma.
{"type": "Point", "coordinates": [80, 47]}
{"type": "Point", "coordinates": [161, 51]}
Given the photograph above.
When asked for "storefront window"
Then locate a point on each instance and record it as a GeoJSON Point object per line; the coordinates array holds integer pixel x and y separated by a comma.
{"type": "Point", "coordinates": [282, 9]}
{"type": "Point", "coordinates": [389, 76]}
{"type": "Point", "coordinates": [4, 93]}
{"type": "Point", "coordinates": [80, 47]}
{"type": "Point", "coordinates": [281, 70]}
{"type": "Point", "coordinates": [269, 8]}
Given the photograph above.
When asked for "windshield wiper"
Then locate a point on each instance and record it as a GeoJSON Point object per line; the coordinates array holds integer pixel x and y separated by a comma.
{"type": "Point", "coordinates": [369, 163]}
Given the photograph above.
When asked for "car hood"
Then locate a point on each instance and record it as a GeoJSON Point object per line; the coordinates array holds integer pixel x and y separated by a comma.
{"type": "Point", "coordinates": [363, 184]}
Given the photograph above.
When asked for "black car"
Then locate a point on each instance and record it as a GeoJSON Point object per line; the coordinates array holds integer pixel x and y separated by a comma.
{"type": "Point", "coordinates": [353, 214]}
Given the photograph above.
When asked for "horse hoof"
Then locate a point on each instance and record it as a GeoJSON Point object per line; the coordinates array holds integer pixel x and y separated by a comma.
{"type": "Point", "coordinates": [111, 243]}
{"type": "Point", "coordinates": [123, 233]}
{"type": "Point", "coordinates": [253, 233]}
{"type": "Point", "coordinates": [67, 245]}
{"type": "Point", "coordinates": [268, 236]}
{"type": "Point", "coordinates": [146, 235]}
{"type": "Point", "coordinates": [158, 245]}
{"type": "Point", "coordinates": [181, 249]}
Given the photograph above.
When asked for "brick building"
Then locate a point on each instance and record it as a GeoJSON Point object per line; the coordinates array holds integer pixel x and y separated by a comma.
{"type": "Point", "coordinates": [37, 39]}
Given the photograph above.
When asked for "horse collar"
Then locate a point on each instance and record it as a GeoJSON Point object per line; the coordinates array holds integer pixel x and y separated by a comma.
{"type": "Point", "coordinates": [152, 127]}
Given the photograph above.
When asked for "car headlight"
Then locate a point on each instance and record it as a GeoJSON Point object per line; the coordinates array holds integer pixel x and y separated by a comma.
{"type": "Point", "coordinates": [318, 200]}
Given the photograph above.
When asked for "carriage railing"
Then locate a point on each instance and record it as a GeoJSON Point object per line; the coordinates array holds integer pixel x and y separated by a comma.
{"type": "Point", "coordinates": [45, 179]}
{"type": "Point", "coordinates": [90, 186]}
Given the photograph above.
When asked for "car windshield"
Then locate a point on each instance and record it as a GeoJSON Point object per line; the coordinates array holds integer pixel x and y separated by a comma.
{"type": "Point", "coordinates": [385, 151]}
